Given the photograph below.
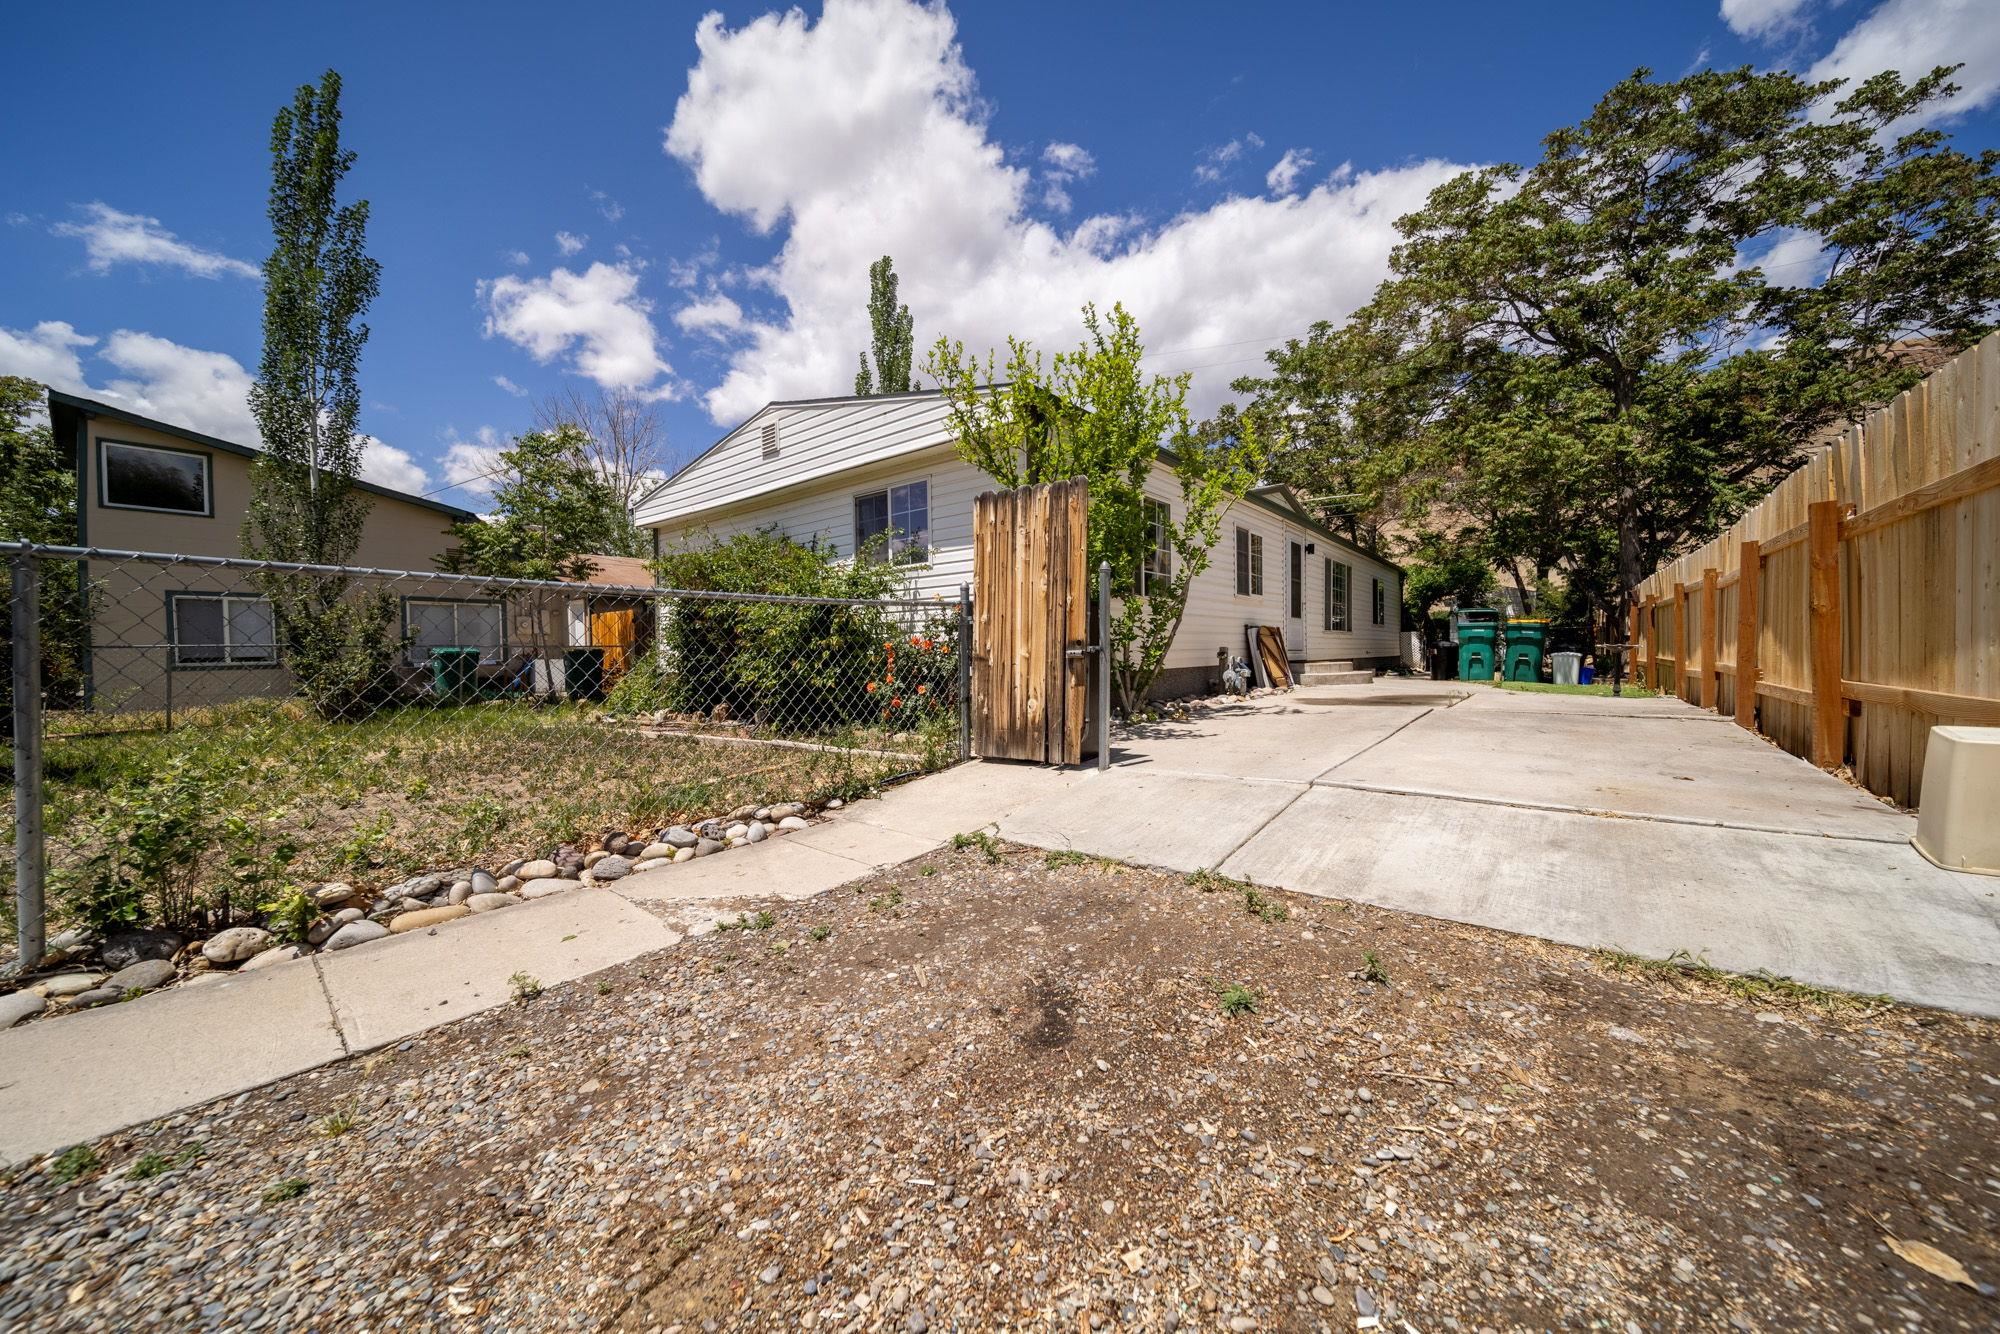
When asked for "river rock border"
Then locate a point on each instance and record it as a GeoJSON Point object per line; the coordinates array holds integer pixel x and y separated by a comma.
{"type": "Point", "coordinates": [127, 965]}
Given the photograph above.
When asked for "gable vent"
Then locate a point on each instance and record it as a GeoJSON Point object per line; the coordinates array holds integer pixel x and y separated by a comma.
{"type": "Point", "coordinates": [770, 440]}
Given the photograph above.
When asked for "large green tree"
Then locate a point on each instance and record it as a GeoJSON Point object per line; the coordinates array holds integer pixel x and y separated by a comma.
{"type": "Point", "coordinates": [893, 336]}
{"type": "Point", "coordinates": [552, 510]}
{"type": "Point", "coordinates": [1093, 413]}
{"type": "Point", "coordinates": [38, 504]}
{"type": "Point", "coordinates": [304, 506]}
{"type": "Point", "coordinates": [1582, 367]}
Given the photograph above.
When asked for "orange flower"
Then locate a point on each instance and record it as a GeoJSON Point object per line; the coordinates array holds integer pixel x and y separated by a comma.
{"type": "Point", "coordinates": [917, 640]}
{"type": "Point", "coordinates": [890, 676]}
{"type": "Point", "coordinates": [871, 687]}
{"type": "Point", "coordinates": [895, 703]}
{"type": "Point", "coordinates": [923, 690]}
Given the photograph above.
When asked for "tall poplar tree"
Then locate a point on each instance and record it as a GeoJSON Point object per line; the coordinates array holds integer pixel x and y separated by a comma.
{"type": "Point", "coordinates": [304, 506]}
{"type": "Point", "coordinates": [894, 336]}
{"type": "Point", "coordinates": [318, 283]}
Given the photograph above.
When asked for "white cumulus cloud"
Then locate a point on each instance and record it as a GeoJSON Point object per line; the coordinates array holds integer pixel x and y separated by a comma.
{"type": "Point", "coordinates": [1763, 19]}
{"type": "Point", "coordinates": [860, 134]}
{"type": "Point", "coordinates": [111, 237]}
{"type": "Point", "coordinates": [1283, 177]}
{"type": "Point", "coordinates": [596, 319]}
{"type": "Point", "coordinates": [471, 465]}
{"type": "Point", "coordinates": [570, 243]}
{"type": "Point", "coordinates": [1915, 36]}
{"type": "Point", "coordinates": [715, 315]}
{"type": "Point", "coordinates": [184, 386]}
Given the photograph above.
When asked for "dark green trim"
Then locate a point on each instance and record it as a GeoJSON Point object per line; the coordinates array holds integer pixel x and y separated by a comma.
{"type": "Point", "coordinates": [91, 407]}
{"type": "Point", "coordinates": [208, 479]}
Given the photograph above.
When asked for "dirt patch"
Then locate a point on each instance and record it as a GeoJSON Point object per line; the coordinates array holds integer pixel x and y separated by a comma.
{"type": "Point", "coordinates": [976, 1095]}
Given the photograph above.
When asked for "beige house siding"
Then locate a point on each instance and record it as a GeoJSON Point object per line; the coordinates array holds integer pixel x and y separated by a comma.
{"type": "Point", "coordinates": [132, 665]}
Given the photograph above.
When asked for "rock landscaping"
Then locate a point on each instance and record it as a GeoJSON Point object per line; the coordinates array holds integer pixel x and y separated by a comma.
{"type": "Point", "coordinates": [1002, 1088]}
{"type": "Point", "coordinates": [134, 963]}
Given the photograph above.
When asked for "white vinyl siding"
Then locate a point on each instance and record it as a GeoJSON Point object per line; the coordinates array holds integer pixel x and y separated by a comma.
{"type": "Point", "coordinates": [823, 512]}
{"type": "Point", "coordinates": [1216, 613]}
{"type": "Point", "coordinates": [815, 441]}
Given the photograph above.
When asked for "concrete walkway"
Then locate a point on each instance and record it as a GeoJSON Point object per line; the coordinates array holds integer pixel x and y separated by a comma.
{"type": "Point", "coordinates": [1639, 824]}
{"type": "Point", "coordinates": [67, 1080]}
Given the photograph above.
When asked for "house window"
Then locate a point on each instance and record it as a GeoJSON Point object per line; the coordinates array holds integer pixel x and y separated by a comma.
{"type": "Point", "coordinates": [1381, 603]}
{"type": "Point", "coordinates": [430, 623]}
{"type": "Point", "coordinates": [894, 523]}
{"type": "Point", "coordinates": [1339, 578]}
{"type": "Point", "coordinates": [147, 477]}
{"type": "Point", "coordinates": [1249, 564]}
{"type": "Point", "coordinates": [222, 630]}
{"type": "Point", "coordinates": [1295, 569]}
{"type": "Point", "coordinates": [1156, 572]}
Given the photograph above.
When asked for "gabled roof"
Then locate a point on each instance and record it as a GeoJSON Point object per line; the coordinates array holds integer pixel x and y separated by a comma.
{"type": "Point", "coordinates": [1281, 499]}
{"type": "Point", "coordinates": [820, 437]}
{"type": "Point", "coordinates": [62, 405]}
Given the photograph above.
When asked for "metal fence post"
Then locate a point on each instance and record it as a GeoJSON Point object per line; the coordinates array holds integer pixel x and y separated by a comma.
{"type": "Point", "coordinates": [29, 859]}
{"type": "Point", "coordinates": [1104, 665]}
{"type": "Point", "coordinates": [964, 672]}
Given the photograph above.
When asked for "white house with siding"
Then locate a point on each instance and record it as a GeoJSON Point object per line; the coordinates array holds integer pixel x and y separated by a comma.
{"type": "Point", "coordinates": [850, 472]}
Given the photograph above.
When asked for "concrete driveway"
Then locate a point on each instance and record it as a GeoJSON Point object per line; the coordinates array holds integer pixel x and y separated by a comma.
{"type": "Point", "coordinates": [1640, 824]}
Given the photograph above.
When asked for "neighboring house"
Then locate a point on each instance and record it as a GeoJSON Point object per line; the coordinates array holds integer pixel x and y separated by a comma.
{"type": "Point", "coordinates": [883, 470]}
{"type": "Point", "coordinates": [160, 634]}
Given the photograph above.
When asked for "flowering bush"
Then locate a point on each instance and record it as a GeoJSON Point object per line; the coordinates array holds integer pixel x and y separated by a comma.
{"type": "Point", "coordinates": [917, 679]}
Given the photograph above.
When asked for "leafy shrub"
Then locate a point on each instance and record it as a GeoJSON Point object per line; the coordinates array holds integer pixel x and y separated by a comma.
{"type": "Point", "coordinates": [643, 688]}
{"type": "Point", "coordinates": [792, 666]}
{"type": "Point", "coordinates": [166, 850]}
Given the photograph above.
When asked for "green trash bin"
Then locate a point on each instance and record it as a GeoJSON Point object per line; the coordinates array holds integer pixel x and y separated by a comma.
{"type": "Point", "coordinates": [1524, 649]}
{"type": "Point", "coordinates": [1478, 642]}
{"type": "Point", "coordinates": [455, 673]}
{"type": "Point", "coordinates": [583, 673]}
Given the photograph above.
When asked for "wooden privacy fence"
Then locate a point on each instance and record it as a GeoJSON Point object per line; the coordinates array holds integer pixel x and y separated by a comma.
{"type": "Point", "coordinates": [1859, 604]}
{"type": "Point", "coordinates": [1030, 607]}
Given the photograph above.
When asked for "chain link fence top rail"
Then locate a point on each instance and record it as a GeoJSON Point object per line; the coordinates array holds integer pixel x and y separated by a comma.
{"type": "Point", "coordinates": [214, 732]}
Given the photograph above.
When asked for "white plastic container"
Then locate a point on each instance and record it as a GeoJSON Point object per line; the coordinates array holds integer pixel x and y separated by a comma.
{"type": "Point", "coordinates": [1958, 823]}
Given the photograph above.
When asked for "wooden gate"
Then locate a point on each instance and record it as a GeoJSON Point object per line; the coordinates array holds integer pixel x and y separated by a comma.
{"type": "Point", "coordinates": [1030, 607]}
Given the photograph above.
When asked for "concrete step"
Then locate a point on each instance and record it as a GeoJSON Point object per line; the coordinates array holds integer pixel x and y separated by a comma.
{"type": "Point", "coordinates": [1317, 676]}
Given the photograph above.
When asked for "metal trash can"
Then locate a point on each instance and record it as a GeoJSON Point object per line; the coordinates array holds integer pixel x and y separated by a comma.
{"type": "Point", "coordinates": [455, 673]}
{"type": "Point", "coordinates": [1568, 668]}
{"type": "Point", "coordinates": [583, 673]}
{"type": "Point", "coordinates": [1524, 649]}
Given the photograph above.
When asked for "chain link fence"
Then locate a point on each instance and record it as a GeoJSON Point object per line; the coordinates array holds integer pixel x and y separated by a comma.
{"type": "Point", "coordinates": [194, 737]}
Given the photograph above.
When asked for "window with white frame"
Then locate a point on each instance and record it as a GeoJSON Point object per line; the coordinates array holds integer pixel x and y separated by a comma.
{"type": "Point", "coordinates": [1339, 578]}
{"type": "Point", "coordinates": [894, 523]}
{"type": "Point", "coordinates": [1249, 564]}
{"type": "Point", "coordinates": [1156, 571]}
{"type": "Point", "coordinates": [150, 477]}
{"type": "Point", "coordinates": [1381, 602]}
{"type": "Point", "coordinates": [222, 630]}
{"type": "Point", "coordinates": [430, 623]}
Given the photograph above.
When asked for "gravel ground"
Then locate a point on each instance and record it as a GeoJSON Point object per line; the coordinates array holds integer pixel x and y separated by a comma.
{"type": "Point", "coordinates": [980, 1091]}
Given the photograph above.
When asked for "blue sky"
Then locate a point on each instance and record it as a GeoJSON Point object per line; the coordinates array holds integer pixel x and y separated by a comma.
{"type": "Point", "coordinates": [639, 197]}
